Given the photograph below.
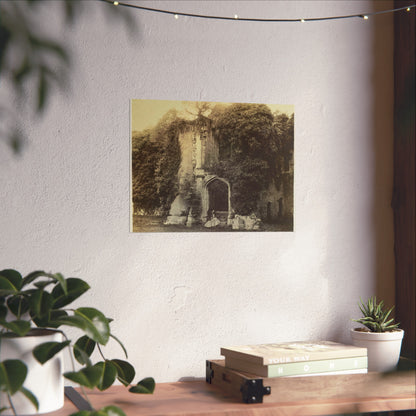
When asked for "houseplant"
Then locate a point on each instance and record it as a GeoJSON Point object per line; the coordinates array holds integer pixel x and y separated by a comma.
{"type": "Point", "coordinates": [380, 335]}
{"type": "Point", "coordinates": [39, 304]}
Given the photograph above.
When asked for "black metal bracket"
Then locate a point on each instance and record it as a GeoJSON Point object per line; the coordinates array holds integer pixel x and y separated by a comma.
{"type": "Point", "coordinates": [77, 399]}
{"type": "Point", "coordinates": [209, 372]}
{"type": "Point", "coordinates": [253, 391]}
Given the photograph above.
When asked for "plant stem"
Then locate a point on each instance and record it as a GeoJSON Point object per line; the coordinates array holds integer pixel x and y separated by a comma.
{"type": "Point", "coordinates": [19, 310]}
{"type": "Point", "coordinates": [11, 404]}
{"type": "Point", "coordinates": [101, 353]}
{"type": "Point", "coordinates": [73, 369]}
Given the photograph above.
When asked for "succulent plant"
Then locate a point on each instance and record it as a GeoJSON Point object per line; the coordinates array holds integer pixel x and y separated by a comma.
{"type": "Point", "coordinates": [375, 318]}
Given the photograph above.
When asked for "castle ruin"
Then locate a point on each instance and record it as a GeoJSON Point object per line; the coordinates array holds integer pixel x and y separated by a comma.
{"type": "Point", "coordinates": [201, 192]}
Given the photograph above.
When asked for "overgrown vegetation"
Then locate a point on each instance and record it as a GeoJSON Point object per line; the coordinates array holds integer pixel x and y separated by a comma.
{"type": "Point", "coordinates": [155, 162]}
{"type": "Point", "coordinates": [255, 150]}
{"type": "Point", "coordinates": [254, 146]}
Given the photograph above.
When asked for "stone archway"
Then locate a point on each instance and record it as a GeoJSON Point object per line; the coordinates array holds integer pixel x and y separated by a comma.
{"type": "Point", "coordinates": [216, 197]}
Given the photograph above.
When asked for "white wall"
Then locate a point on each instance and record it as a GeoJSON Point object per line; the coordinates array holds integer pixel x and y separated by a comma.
{"type": "Point", "coordinates": [177, 298]}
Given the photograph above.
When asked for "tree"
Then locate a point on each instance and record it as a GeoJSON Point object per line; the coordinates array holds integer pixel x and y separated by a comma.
{"type": "Point", "coordinates": [284, 126]}
{"type": "Point", "coordinates": [145, 154]}
{"type": "Point", "coordinates": [248, 147]}
{"type": "Point", "coordinates": [156, 159]}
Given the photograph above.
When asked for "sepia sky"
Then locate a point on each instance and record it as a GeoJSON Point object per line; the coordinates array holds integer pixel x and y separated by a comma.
{"type": "Point", "coordinates": [146, 113]}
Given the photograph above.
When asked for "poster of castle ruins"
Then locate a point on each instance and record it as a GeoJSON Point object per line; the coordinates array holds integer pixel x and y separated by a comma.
{"type": "Point", "coordinates": [211, 167]}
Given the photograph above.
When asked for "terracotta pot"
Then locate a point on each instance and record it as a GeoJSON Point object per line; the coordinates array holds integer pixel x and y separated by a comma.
{"type": "Point", "coordinates": [44, 381]}
{"type": "Point", "coordinates": [383, 348]}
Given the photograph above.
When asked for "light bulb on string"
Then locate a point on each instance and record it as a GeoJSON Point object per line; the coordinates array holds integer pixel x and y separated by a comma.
{"type": "Point", "coordinates": [249, 19]}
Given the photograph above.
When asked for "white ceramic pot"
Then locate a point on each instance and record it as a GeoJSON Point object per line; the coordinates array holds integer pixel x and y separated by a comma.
{"type": "Point", "coordinates": [44, 381]}
{"type": "Point", "coordinates": [383, 348]}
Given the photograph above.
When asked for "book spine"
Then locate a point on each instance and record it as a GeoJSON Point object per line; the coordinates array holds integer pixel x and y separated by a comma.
{"type": "Point", "coordinates": [313, 367]}
{"type": "Point", "coordinates": [288, 369]}
{"type": "Point", "coordinates": [333, 373]}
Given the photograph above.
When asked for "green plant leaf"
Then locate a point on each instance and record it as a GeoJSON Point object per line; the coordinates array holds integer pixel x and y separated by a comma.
{"type": "Point", "coordinates": [20, 73]}
{"type": "Point", "coordinates": [31, 277]}
{"type": "Point", "coordinates": [43, 89]}
{"type": "Point", "coordinates": [105, 411]}
{"type": "Point", "coordinates": [374, 317]}
{"type": "Point", "coordinates": [108, 374]}
{"type": "Point", "coordinates": [82, 356]}
{"type": "Point", "coordinates": [12, 375]}
{"type": "Point", "coordinates": [43, 283]}
{"type": "Point", "coordinates": [75, 321]}
{"type": "Point", "coordinates": [29, 395]}
{"type": "Point", "coordinates": [6, 287]}
{"type": "Point", "coordinates": [3, 312]}
{"type": "Point", "coordinates": [54, 277]}
{"type": "Point", "coordinates": [52, 46]}
{"type": "Point", "coordinates": [75, 288]}
{"type": "Point", "coordinates": [91, 321]}
{"type": "Point", "coordinates": [62, 281]}
{"type": "Point", "coordinates": [40, 304]}
{"type": "Point", "coordinates": [145, 386]}
{"type": "Point", "coordinates": [45, 351]}
{"type": "Point", "coordinates": [83, 349]}
{"type": "Point", "coordinates": [98, 328]}
{"type": "Point", "coordinates": [55, 316]}
{"type": "Point", "coordinates": [19, 327]}
{"type": "Point", "coordinates": [125, 371]}
{"type": "Point", "coordinates": [83, 413]}
{"type": "Point", "coordinates": [18, 305]}
{"type": "Point", "coordinates": [88, 376]}
{"type": "Point", "coordinates": [13, 276]}
{"type": "Point", "coordinates": [110, 411]}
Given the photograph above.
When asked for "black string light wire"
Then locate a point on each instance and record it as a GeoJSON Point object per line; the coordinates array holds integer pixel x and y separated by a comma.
{"type": "Point", "coordinates": [364, 16]}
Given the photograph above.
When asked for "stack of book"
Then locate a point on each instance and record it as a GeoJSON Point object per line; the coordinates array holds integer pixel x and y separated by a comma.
{"type": "Point", "coordinates": [296, 359]}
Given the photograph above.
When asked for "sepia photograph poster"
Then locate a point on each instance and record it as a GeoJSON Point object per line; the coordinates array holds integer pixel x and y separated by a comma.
{"type": "Point", "coordinates": [210, 166]}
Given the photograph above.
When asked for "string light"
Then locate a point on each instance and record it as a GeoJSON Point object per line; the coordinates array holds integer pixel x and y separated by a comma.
{"type": "Point", "coordinates": [249, 19]}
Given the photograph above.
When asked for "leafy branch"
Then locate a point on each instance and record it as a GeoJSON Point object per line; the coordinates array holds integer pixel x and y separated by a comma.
{"type": "Point", "coordinates": [31, 60]}
{"type": "Point", "coordinates": [40, 301]}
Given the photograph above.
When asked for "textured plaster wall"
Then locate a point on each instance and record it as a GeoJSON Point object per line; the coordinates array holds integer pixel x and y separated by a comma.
{"type": "Point", "coordinates": [177, 298]}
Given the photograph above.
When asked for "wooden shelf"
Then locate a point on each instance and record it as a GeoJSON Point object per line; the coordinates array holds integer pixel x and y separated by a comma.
{"type": "Point", "coordinates": [308, 396]}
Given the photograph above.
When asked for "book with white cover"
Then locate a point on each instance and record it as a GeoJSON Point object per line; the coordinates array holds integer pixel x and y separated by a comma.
{"type": "Point", "coordinates": [292, 352]}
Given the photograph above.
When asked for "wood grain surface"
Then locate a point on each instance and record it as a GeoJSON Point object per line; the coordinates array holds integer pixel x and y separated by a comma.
{"type": "Point", "coordinates": [299, 396]}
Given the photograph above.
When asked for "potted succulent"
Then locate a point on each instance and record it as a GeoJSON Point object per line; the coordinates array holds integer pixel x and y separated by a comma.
{"type": "Point", "coordinates": [34, 310]}
{"type": "Point", "coordinates": [380, 335]}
